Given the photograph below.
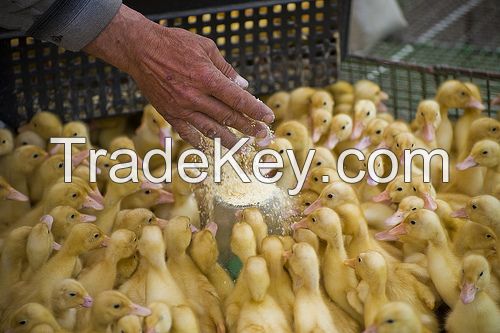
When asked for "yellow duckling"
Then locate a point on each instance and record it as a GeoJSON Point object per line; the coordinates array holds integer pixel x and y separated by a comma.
{"type": "Point", "coordinates": [160, 319]}
{"type": "Point", "coordinates": [31, 315]}
{"type": "Point", "coordinates": [309, 237]}
{"type": "Point", "coordinates": [128, 324]}
{"type": "Point", "coordinates": [109, 306]}
{"type": "Point", "coordinates": [6, 141]}
{"type": "Point", "coordinates": [298, 136]}
{"type": "Point", "coordinates": [204, 252]}
{"type": "Point", "coordinates": [102, 275]}
{"type": "Point", "coordinates": [40, 244]}
{"type": "Point", "coordinates": [391, 132]}
{"type": "Point", "coordinates": [464, 122]}
{"type": "Point", "coordinates": [300, 102]}
{"type": "Point", "coordinates": [280, 287]}
{"type": "Point", "coordinates": [321, 99]}
{"type": "Point", "coordinates": [442, 264]}
{"type": "Point", "coordinates": [200, 293]}
{"type": "Point", "coordinates": [395, 191]}
{"type": "Point", "coordinates": [427, 121]}
{"type": "Point", "coordinates": [136, 219]}
{"type": "Point", "coordinates": [65, 218]}
{"type": "Point", "coordinates": [311, 314]}
{"type": "Point", "coordinates": [365, 89]}
{"type": "Point", "coordinates": [364, 112]}
{"type": "Point", "coordinates": [184, 320]}
{"type": "Point", "coordinates": [374, 134]}
{"type": "Point", "coordinates": [452, 94]}
{"type": "Point", "coordinates": [147, 198]}
{"type": "Point", "coordinates": [69, 295]}
{"type": "Point", "coordinates": [152, 132]}
{"type": "Point", "coordinates": [124, 142]}
{"type": "Point", "coordinates": [7, 192]}
{"type": "Point", "coordinates": [254, 218]}
{"type": "Point", "coordinates": [46, 124]}
{"type": "Point", "coordinates": [397, 317]}
{"type": "Point", "coordinates": [242, 244]}
{"type": "Point", "coordinates": [279, 103]}
{"type": "Point", "coordinates": [288, 179]}
{"type": "Point", "coordinates": [476, 238]}
{"type": "Point", "coordinates": [475, 311]}
{"type": "Point", "coordinates": [481, 129]}
{"type": "Point", "coordinates": [340, 281]}
{"type": "Point", "coordinates": [343, 95]}
{"type": "Point", "coordinates": [30, 138]}
{"type": "Point", "coordinates": [260, 313]}
{"type": "Point", "coordinates": [320, 123]}
{"type": "Point", "coordinates": [323, 158]}
{"type": "Point", "coordinates": [77, 129]}
{"type": "Point", "coordinates": [340, 130]}
{"type": "Point", "coordinates": [485, 153]}
{"type": "Point", "coordinates": [483, 209]}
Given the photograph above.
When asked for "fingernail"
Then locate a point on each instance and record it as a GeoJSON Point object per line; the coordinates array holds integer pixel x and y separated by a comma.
{"type": "Point", "coordinates": [262, 133]}
{"type": "Point", "coordinates": [241, 82]}
{"type": "Point", "coordinates": [269, 118]}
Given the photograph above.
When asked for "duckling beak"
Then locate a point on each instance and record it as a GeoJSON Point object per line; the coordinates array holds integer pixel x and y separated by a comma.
{"type": "Point", "coordinates": [312, 207]}
{"type": "Point", "coordinates": [139, 310]}
{"type": "Point", "coordinates": [469, 162]}
{"type": "Point", "coordinates": [382, 145]}
{"type": "Point", "coordinates": [48, 220]}
{"type": "Point", "coordinates": [287, 255]}
{"type": "Point", "coordinates": [357, 130]}
{"type": "Point", "coordinates": [212, 227]}
{"type": "Point", "coordinates": [162, 223]}
{"type": "Point", "coordinates": [371, 329]}
{"type": "Point", "coordinates": [105, 241]}
{"type": "Point", "coordinates": [332, 141]}
{"type": "Point", "coordinates": [429, 202]}
{"type": "Point", "coordinates": [24, 128]}
{"type": "Point", "coordinates": [97, 196]}
{"type": "Point", "coordinates": [301, 224]}
{"type": "Point", "coordinates": [16, 195]}
{"type": "Point", "coordinates": [364, 143]}
{"type": "Point", "coordinates": [394, 219]}
{"type": "Point", "coordinates": [383, 197]}
{"type": "Point", "coordinates": [238, 215]}
{"type": "Point", "coordinates": [87, 218]}
{"type": "Point", "coordinates": [475, 104]}
{"type": "Point", "coordinates": [151, 330]}
{"type": "Point", "coordinates": [383, 96]}
{"type": "Point", "coordinates": [468, 292]}
{"type": "Point", "coordinates": [87, 301]}
{"type": "Point", "coordinates": [147, 185]}
{"type": "Point", "coordinates": [165, 197]}
{"type": "Point", "coordinates": [370, 181]}
{"type": "Point", "coordinates": [429, 132]}
{"type": "Point", "coordinates": [316, 135]}
{"type": "Point", "coordinates": [461, 213]}
{"type": "Point", "coordinates": [392, 234]}
{"type": "Point", "coordinates": [164, 133]}
{"type": "Point", "coordinates": [78, 158]}
{"type": "Point", "coordinates": [193, 228]}
{"type": "Point", "coordinates": [92, 203]}
{"type": "Point", "coordinates": [56, 246]}
{"type": "Point", "coordinates": [350, 262]}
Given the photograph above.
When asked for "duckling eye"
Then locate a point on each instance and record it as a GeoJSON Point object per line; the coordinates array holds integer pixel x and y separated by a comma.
{"type": "Point", "coordinates": [474, 206]}
{"type": "Point", "coordinates": [399, 189]}
{"type": "Point", "coordinates": [422, 114]}
{"type": "Point", "coordinates": [414, 189]}
{"type": "Point", "coordinates": [397, 145]}
{"type": "Point", "coordinates": [75, 134]}
{"type": "Point", "coordinates": [488, 236]}
{"type": "Point", "coordinates": [412, 145]}
{"type": "Point", "coordinates": [414, 208]}
{"type": "Point", "coordinates": [494, 129]}
{"type": "Point", "coordinates": [4, 141]}
{"type": "Point", "coordinates": [318, 164]}
{"type": "Point", "coordinates": [72, 294]}
{"type": "Point", "coordinates": [343, 127]}
{"type": "Point", "coordinates": [72, 216]}
{"type": "Point", "coordinates": [150, 220]}
{"type": "Point", "coordinates": [390, 321]}
{"type": "Point", "coordinates": [324, 103]}
{"type": "Point", "coordinates": [154, 121]}
{"type": "Point", "coordinates": [413, 222]}
{"type": "Point", "coordinates": [307, 203]}
{"type": "Point", "coordinates": [378, 132]}
{"type": "Point", "coordinates": [35, 125]}
{"type": "Point", "coordinates": [35, 155]}
{"type": "Point", "coordinates": [359, 259]}
{"type": "Point", "coordinates": [96, 235]}
{"type": "Point", "coordinates": [368, 113]}
{"type": "Point", "coordinates": [23, 322]}
{"type": "Point", "coordinates": [481, 274]}
{"type": "Point", "coordinates": [316, 179]}
{"type": "Point", "coordinates": [277, 105]}
{"type": "Point", "coordinates": [289, 134]}
{"type": "Point", "coordinates": [330, 196]}
{"type": "Point", "coordinates": [116, 306]}
{"type": "Point", "coordinates": [60, 165]}
{"type": "Point", "coordinates": [463, 93]}
{"type": "Point", "coordinates": [313, 220]}
{"type": "Point", "coordinates": [74, 195]}
{"type": "Point", "coordinates": [106, 165]}
{"type": "Point", "coordinates": [281, 151]}
{"type": "Point", "coordinates": [147, 192]}
{"type": "Point", "coordinates": [324, 121]}
{"type": "Point", "coordinates": [485, 152]}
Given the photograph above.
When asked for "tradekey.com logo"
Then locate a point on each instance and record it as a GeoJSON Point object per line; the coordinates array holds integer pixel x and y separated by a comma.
{"type": "Point", "coordinates": [260, 164]}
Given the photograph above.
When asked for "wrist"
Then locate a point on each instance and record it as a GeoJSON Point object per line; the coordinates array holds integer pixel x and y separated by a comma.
{"type": "Point", "coordinates": [120, 42]}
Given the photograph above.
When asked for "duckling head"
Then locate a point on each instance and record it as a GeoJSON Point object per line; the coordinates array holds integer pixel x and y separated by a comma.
{"type": "Point", "coordinates": [475, 277]}
{"type": "Point", "coordinates": [123, 142]}
{"type": "Point", "coordinates": [6, 141]}
{"type": "Point", "coordinates": [391, 132]}
{"type": "Point", "coordinates": [365, 89]}
{"type": "Point", "coordinates": [340, 130]}
{"type": "Point", "coordinates": [104, 164]}
{"type": "Point", "coordinates": [455, 94]}
{"type": "Point", "coordinates": [378, 168]}
{"type": "Point", "coordinates": [407, 205]}
{"type": "Point", "coordinates": [370, 266]}
{"type": "Point", "coordinates": [475, 92]}
{"type": "Point", "coordinates": [303, 235]}
{"type": "Point", "coordinates": [364, 112]}
{"type": "Point", "coordinates": [243, 243]}
{"type": "Point", "coordinates": [306, 198]}
{"type": "Point", "coordinates": [422, 225]}
{"type": "Point", "coordinates": [481, 209]}
{"type": "Point", "coordinates": [152, 245]}
{"type": "Point", "coordinates": [323, 158]}
{"type": "Point", "coordinates": [374, 134]}
{"type": "Point", "coordinates": [395, 317]}
{"type": "Point", "coordinates": [45, 124]}
{"type": "Point", "coordinates": [151, 197]}
{"type": "Point", "coordinates": [28, 138]}
{"type": "Point", "coordinates": [428, 118]}
{"type": "Point", "coordinates": [153, 121]}
{"type": "Point", "coordinates": [324, 222]}
{"type": "Point", "coordinates": [321, 120]}
{"type": "Point", "coordinates": [123, 243]}
{"type": "Point", "coordinates": [294, 132]}
{"type": "Point", "coordinates": [85, 237]}
{"type": "Point", "coordinates": [321, 99]}
{"type": "Point", "coordinates": [111, 305]}
{"type": "Point", "coordinates": [479, 237]}
{"type": "Point", "coordinates": [278, 102]}
{"type": "Point", "coordinates": [71, 194]}
{"type": "Point", "coordinates": [7, 192]}
{"type": "Point", "coordinates": [28, 158]}
{"type": "Point", "coordinates": [303, 264]}
{"type": "Point", "coordinates": [426, 191]}
{"type": "Point", "coordinates": [395, 191]}
{"type": "Point", "coordinates": [484, 128]}
{"type": "Point", "coordinates": [279, 145]}
{"type": "Point", "coordinates": [403, 141]}
{"type": "Point", "coordinates": [177, 234]}
{"type": "Point", "coordinates": [70, 294]}
{"type": "Point", "coordinates": [30, 315]}
{"type": "Point", "coordinates": [204, 250]}
{"type": "Point", "coordinates": [320, 177]}
{"type": "Point", "coordinates": [334, 195]}
{"type": "Point", "coordinates": [272, 249]}
{"type": "Point", "coordinates": [484, 153]}
{"type": "Point", "coordinates": [160, 319]}
{"type": "Point", "coordinates": [136, 219]}
{"type": "Point", "coordinates": [257, 278]}
{"type": "Point", "coordinates": [340, 88]}
{"type": "Point", "coordinates": [75, 129]}
{"type": "Point", "coordinates": [128, 324]}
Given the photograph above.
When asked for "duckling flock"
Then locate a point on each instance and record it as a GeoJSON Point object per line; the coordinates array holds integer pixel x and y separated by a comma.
{"type": "Point", "coordinates": [132, 257]}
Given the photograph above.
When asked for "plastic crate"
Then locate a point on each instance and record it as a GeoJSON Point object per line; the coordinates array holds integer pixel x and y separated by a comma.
{"type": "Point", "coordinates": [274, 44]}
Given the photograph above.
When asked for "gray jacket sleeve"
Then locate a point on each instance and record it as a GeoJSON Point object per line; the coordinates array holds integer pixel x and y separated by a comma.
{"type": "Point", "coordinates": [71, 24]}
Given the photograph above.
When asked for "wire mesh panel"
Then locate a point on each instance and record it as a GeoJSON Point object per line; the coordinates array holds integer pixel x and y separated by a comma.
{"type": "Point", "coordinates": [407, 84]}
{"type": "Point", "coordinates": [274, 44]}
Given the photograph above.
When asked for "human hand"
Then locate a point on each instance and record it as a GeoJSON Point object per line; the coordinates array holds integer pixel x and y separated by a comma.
{"type": "Point", "coordinates": [184, 76]}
